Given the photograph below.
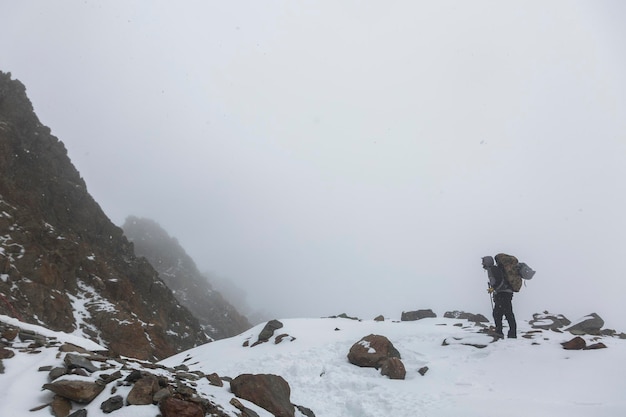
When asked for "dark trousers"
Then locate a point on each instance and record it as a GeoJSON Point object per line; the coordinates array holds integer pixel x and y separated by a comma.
{"type": "Point", "coordinates": [503, 307]}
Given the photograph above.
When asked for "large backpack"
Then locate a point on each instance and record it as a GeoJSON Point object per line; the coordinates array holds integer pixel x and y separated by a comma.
{"type": "Point", "coordinates": [510, 268]}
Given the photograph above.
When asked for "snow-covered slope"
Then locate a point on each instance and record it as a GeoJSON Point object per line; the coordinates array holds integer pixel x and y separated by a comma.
{"type": "Point", "coordinates": [512, 377]}
{"type": "Point", "coordinates": [528, 376]}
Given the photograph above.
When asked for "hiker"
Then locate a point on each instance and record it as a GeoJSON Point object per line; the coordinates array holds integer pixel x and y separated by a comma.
{"type": "Point", "coordinates": [502, 297]}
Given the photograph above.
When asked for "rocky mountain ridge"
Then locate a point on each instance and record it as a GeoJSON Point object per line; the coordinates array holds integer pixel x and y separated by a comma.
{"type": "Point", "coordinates": [63, 263]}
{"type": "Point", "coordinates": [218, 317]}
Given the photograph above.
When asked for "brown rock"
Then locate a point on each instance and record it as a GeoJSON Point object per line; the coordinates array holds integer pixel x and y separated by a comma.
{"type": "Point", "coordinates": [214, 379]}
{"type": "Point", "coordinates": [61, 407]}
{"type": "Point", "coordinates": [143, 391]}
{"type": "Point", "coordinates": [576, 343]}
{"type": "Point", "coordinates": [80, 391]}
{"type": "Point", "coordinates": [417, 315]}
{"type": "Point", "coordinates": [371, 351]}
{"type": "Point", "coordinates": [270, 392]}
{"type": "Point", "coordinates": [173, 407]}
{"type": "Point", "coordinates": [598, 345]}
{"type": "Point", "coordinates": [393, 368]}
{"type": "Point", "coordinates": [6, 353]}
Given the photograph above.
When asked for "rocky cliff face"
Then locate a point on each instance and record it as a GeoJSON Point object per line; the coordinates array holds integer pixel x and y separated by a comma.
{"type": "Point", "coordinates": [218, 317]}
{"type": "Point", "coordinates": [63, 264]}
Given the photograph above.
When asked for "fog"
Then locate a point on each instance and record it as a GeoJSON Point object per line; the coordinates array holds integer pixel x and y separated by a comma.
{"type": "Point", "coordinates": [356, 157]}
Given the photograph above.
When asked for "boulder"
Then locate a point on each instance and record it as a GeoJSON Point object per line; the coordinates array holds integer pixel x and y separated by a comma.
{"type": "Point", "coordinates": [142, 392]}
{"type": "Point", "coordinates": [76, 390]}
{"type": "Point", "coordinates": [417, 315]}
{"type": "Point", "coordinates": [590, 324]}
{"type": "Point", "coordinates": [371, 351]}
{"type": "Point", "coordinates": [270, 392]}
{"type": "Point", "coordinates": [393, 368]}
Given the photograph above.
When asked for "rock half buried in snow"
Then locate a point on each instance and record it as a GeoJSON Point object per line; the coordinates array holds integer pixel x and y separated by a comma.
{"type": "Point", "coordinates": [371, 351]}
{"type": "Point", "coordinates": [80, 391]}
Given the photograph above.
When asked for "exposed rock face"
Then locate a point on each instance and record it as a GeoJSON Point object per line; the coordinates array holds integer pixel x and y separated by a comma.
{"type": "Point", "coordinates": [218, 317]}
{"type": "Point", "coordinates": [371, 351]}
{"type": "Point", "coordinates": [63, 264]}
{"type": "Point", "coordinates": [270, 392]}
{"type": "Point", "coordinates": [417, 315]}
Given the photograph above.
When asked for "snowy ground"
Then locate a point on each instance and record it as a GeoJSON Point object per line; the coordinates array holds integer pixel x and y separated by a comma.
{"type": "Point", "coordinates": [512, 377]}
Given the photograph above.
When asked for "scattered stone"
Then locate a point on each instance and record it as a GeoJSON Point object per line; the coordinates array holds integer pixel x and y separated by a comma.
{"type": "Point", "coordinates": [61, 406]}
{"type": "Point", "coordinates": [371, 351]}
{"type": "Point", "coordinates": [245, 411]}
{"type": "Point", "coordinates": [462, 315]}
{"type": "Point", "coordinates": [283, 336]}
{"type": "Point", "coordinates": [270, 392]}
{"type": "Point", "coordinates": [161, 394]}
{"type": "Point", "coordinates": [577, 343]}
{"type": "Point", "coordinates": [79, 413]}
{"type": "Point", "coordinates": [114, 403]}
{"type": "Point", "coordinates": [56, 373]}
{"type": "Point", "coordinates": [268, 331]}
{"type": "Point", "coordinates": [174, 407]}
{"type": "Point", "coordinates": [417, 315]}
{"type": "Point", "coordinates": [80, 391]}
{"type": "Point", "coordinates": [143, 391]}
{"type": "Point", "coordinates": [73, 361]}
{"type": "Point", "coordinates": [595, 346]}
{"type": "Point", "coordinates": [379, 318]}
{"type": "Point", "coordinates": [10, 333]}
{"type": "Point", "coordinates": [547, 321]}
{"type": "Point", "coordinates": [6, 353]}
{"type": "Point", "coordinates": [306, 411]}
{"type": "Point", "coordinates": [106, 378]}
{"type": "Point", "coordinates": [214, 379]}
{"type": "Point", "coordinates": [393, 368]}
{"type": "Point", "coordinates": [422, 371]}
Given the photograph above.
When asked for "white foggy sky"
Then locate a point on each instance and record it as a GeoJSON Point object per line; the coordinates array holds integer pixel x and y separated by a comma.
{"type": "Point", "coordinates": [349, 156]}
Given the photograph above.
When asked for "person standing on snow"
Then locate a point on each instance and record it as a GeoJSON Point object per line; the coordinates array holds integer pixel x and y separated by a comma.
{"type": "Point", "coordinates": [502, 297]}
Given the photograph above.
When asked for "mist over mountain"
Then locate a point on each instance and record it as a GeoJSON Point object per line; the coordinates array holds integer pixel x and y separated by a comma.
{"type": "Point", "coordinates": [218, 317]}
{"type": "Point", "coordinates": [63, 263]}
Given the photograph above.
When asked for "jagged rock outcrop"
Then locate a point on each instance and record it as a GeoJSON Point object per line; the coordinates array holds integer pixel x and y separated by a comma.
{"type": "Point", "coordinates": [63, 263]}
{"type": "Point", "coordinates": [179, 272]}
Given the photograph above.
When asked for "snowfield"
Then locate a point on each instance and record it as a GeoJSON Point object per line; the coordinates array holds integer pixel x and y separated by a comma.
{"type": "Point", "coordinates": [512, 377]}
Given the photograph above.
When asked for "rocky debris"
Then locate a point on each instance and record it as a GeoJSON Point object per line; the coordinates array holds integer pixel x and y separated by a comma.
{"type": "Point", "coordinates": [422, 371]}
{"type": "Point", "coordinates": [393, 368]}
{"type": "Point", "coordinates": [548, 321]}
{"type": "Point", "coordinates": [590, 324]}
{"type": "Point", "coordinates": [344, 316]}
{"type": "Point", "coordinates": [371, 351]}
{"type": "Point", "coordinates": [578, 343]}
{"type": "Point", "coordinates": [417, 315]}
{"type": "Point", "coordinates": [379, 318]}
{"type": "Point", "coordinates": [462, 315]}
{"type": "Point", "coordinates": [270, 392]}
{"type": "Point", "coordinates": [114, 383]}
